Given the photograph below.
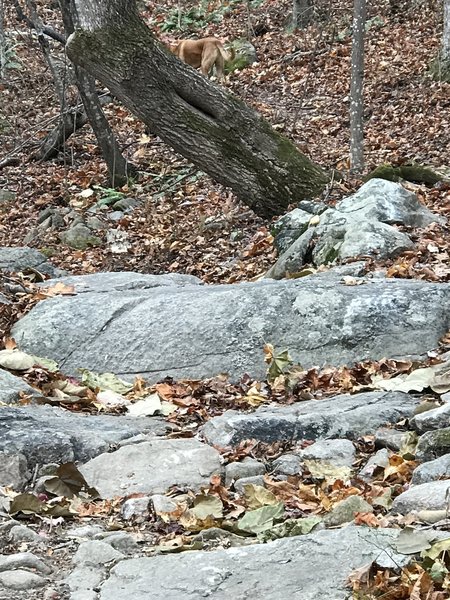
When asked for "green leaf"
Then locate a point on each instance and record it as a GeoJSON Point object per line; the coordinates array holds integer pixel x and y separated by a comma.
{"type": "Point", "coordinates": [290, 528]}
{"type": "Point", "coordinates": [257, 521]}
{"type": "Point", "coordinates": [104, 381]}
{"type": "Point", "coordinates": [436, 549]}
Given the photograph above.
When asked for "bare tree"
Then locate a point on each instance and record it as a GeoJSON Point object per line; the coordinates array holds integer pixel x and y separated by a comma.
{"type": "Point", "coordinates": [213, 129]}
{"type": "Point", "coordinates": [445, 48]}
{"type": "Point", "coordinates": [2, 42]}
{"type": "Point", "coordinates": [357, 88]}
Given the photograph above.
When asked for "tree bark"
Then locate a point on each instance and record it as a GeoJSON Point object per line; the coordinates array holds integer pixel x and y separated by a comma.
{"type": "Point", "coordinates": [357, 88]}
{"type": "Point", "coordinates": [445, 52]}
{"type": "Point", "coordinates": [2, 42]}
{"type": "Point", "coordinates": [216, 131]}
{"type": "Point", "coordinates": [119, 169]}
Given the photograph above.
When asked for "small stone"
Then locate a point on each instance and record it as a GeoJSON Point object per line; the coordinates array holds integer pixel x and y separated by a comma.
{"type": "Point", "coordinates": [115, 215]}
{"type": "Point", "coordinates": [84, 579]}
{"type": "Point", "coordinates": [137, 508]}
{"type": "Point", "coordinates": [389, 438]}
{"type": "Point", "coordinates": [23, 560]}
{"type": "Point", "coordinates": [379, 460]}
{"type": "Point", "coordinates": [79, 237]}
{"type": "Point", "coordinates": [13, 470]}
{"type": "Point", "coordinates": [119, 540]}
{"type": "Point", "coordinates": [432, 470]}
{"type": "Point", "coordinates": [433, 444]}
{"type": "Point", "coordinates": [21, 533]}
{"type": "Point", "coordinates": [84, 533]}
{"type": "Point", "coordinates": [249, 467]}
{"type": "Point", "coordinates": [95, 553]}
{"type": "Point", "coordinates": [21, 580]}
{"type": "Point", "coordinates": [426, 496]}
{"type": "Point", "coordinates": [288, 464]}
{"type": "Point", "coordinates": [7, 196]}
{"type": "Point", "coordinates": [255, 480]}
{"type": "Point", "coordinates": [163, 504]}
{"type": "Point", "coordinates": [95, 223]}
{"type": "Point", "coordinates": [339, 453]}
{"type": "Point", "coordinates": [344, 511]}
{"type": "Point", "coordinates": [436, 418]}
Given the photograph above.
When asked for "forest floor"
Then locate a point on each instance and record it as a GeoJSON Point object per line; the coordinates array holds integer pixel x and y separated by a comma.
{"type": "Point", "coordinates": [189, 224]}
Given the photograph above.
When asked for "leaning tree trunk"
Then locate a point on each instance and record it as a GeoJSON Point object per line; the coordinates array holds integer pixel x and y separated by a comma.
{"type": "Point", "coordinates": [213, 129]}
{"type": "Point", "coordinates": [356, 88]}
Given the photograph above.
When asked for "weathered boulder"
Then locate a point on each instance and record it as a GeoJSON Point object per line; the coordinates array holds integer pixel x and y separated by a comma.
{"type": "Point", "coordinates": [426, 496]}
{"type": "Point", "coordinates": [432, 470]}
{"type": "Point", "coordinates": [433, 444]}
{"type": "Point", "coordinates": [436, 418]}
{"type": "Point", "coordinates": [285, 568]}
{"type": "Point", "coordinates": [45, 434]}
{"type": "Point", "coordinates": [22, 258]}
{"type": "Point", "coordinates": [359, 225]}
{"type": "Point", "coordinates": [104, 283]}
{"type": "Point", "coordinates": [152, 467]}
{"type": "Point", "coordinates": [199, 331]}
{"type": "Point", "coordinates": [338, 416]}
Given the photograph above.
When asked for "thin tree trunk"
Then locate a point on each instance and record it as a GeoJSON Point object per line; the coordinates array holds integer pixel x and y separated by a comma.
{"type": "Point", "coordinates": [72, 120]}
{"type": "Point", "coordinates": [216, 131]}
{"type": "Point", "coordinates": [2, 42]}
{"type": "Point", "coordinates": [445, 52]}
{"type": "Point", "coordinates": [357, 88]}
{"type": "Point", "coordinates": [119, 169]}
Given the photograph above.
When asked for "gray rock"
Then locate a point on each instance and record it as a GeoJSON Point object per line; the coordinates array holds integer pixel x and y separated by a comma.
{"type": "Point", "coordinates": [85, 532]}
{"type": "Point", "coordinates": [359, 225]}
{"type": "Point", "coordinates": [152, 467]}
{"type": "Point", "coordinates": [83, 580]}
{"type": "Point", "coordinates": [21, 580]}
{"type": "Point", "coordinates": [433, 444]}
{"type": "Point", "coordinates": [338, 416]}
{"type": "Point", "coordinates": [426, 496]}
{"type": "Point", "coordinates": [246, 468]}
{"type": "Point", "coordinates": [45, 434]}
{"type": "Point", "coordinates": [345, 511]}
{"type": "Point", "coordinates": [160, 503]}
{"type": "Point", "coordinates": [287, 464]}
{"type": "Point", "coordinates": [22, 258]}
{"type": "Point", "coordinates": [289, 228]}
{"type": "Point", "coordinates": [13, 470]}
{"type": "Point", "coordinates": [115, 215]}
{"type": "Point", "coordinates": [340, 453]}
{"type": "Point", "coordinates": [21, 533]}
{"type": "Point", "coordinates": [23, 560]}
{"type": "Point", "coordinates": [126, 204]}
{"type": "Point", "coordinates": [137, 509]}
{"type": "Point", "coordinates": [390, 203]}
{"type": "Point", "coordinates": [240, 484]}
{"type": "Point", "coordinates": [105, 283]}
{"type": "Point", "coordinates": [389, 438]}
{"type": "Point", "coordinates": [379, 460]}
{"type": "Point", "coordinates": [252, 571]}
{"type": "Point", "coordinates": [432, 470]}
{"type": "Point", "coordinates": [79, 237]}
{"type": "Point", "coordinates": [245, 51]}
{"type": "Point", "coordinates": [436, 418]}
{"type": "Point", "coordinates": [7, 196]}
{"type": "Point", "coordinates": [96, 554]}
{"type": "Point", "coordinates": [95, 223]}
{"type": "Point", "coordinates": [120, 541]}
{"type": "Point", "coordinates": [319, 320]}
